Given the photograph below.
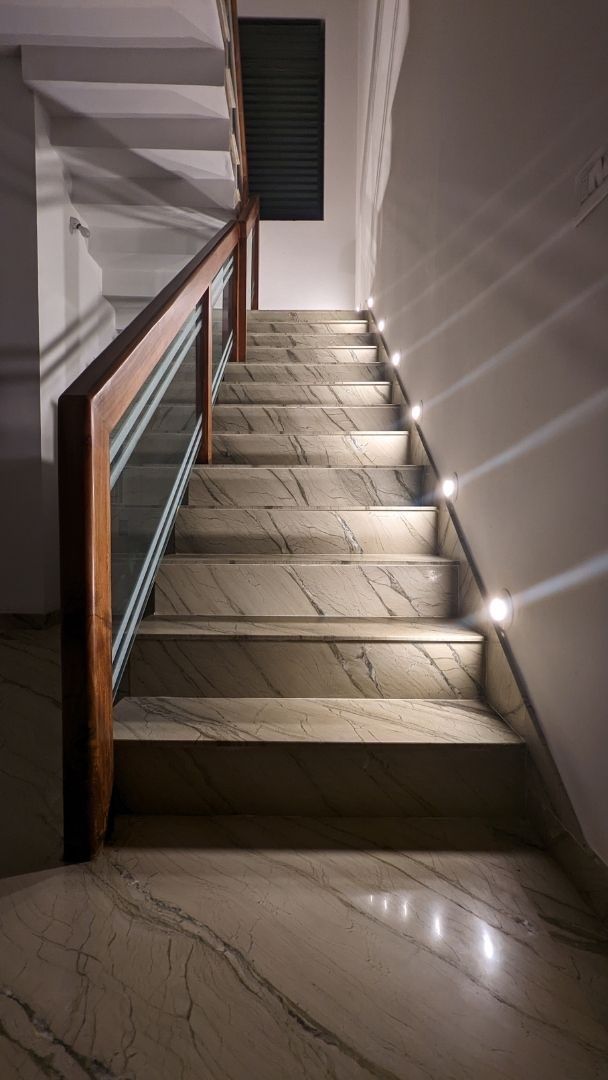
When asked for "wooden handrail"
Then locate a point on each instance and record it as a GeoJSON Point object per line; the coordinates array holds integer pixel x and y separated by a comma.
{"type": "Point", "coordinates": [88, 412]}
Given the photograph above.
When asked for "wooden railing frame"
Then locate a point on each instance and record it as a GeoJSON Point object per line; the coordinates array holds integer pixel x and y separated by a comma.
{"type": "Point", "coordinates": [88, 411]}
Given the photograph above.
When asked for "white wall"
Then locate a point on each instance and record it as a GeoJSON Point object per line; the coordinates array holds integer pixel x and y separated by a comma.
{"type": "Point", "coordinates": [499, 305]}
{"type": "Point", "coordinates": [310, 264]}
{"type": "Point", "coordinates": [53, 321]}
{"type": "Point", "coordinates": [74, 324]}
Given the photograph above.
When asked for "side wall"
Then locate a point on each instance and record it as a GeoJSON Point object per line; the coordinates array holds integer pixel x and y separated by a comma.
{"type": "Point", "coordinates": [497, 300]}
{"type": "Point", "coordinates": [310, 264]}
{"type": "Point", "coordinates": [53, 322]}
{"type": "Point", "coordinates": [21, 573]}
{"type": "Point", "coordinates": [75, 324]}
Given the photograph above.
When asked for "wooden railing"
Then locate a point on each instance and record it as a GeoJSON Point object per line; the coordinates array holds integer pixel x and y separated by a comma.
{"type": "Point", "coordinates": [110, 447]}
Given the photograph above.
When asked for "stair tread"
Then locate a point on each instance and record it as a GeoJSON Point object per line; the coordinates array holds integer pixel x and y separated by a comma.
{"type": "Point", "coordinates": [371, 721]}
{"type": "Point", "coordinates": [314, 628]}
{"type": "Point", "coordinates": [312, 559]}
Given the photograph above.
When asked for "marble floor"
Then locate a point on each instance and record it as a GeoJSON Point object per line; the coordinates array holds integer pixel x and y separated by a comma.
{"type": "Point", "coordinates": [286, 949]}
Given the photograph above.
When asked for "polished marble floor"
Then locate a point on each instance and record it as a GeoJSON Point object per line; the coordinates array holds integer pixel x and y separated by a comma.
{"type": "Point", "coordinates": [291, 949]}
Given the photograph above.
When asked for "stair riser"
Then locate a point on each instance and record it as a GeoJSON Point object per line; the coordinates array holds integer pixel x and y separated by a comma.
{"type": "Point", "coordinates": [306, 420]}
{"type": "Point", "coordinates": [274, 420]}
{"type": "Point", "coordinates": [163, 133]}
{"type": "Point", "coordinates": [301, 315]}
{"type": "Point", "coordinates": [322, 354]}
{"type": "Point", "coordinates": [319, 779]}
{"type": "Point", "coordinates": [312, 341]}
{"type": "Point", "coordinates": [346, 451]}
{"type": "Point", "coordinates": [247, 668]}
{"type": "Point", "coordinates": [370, 590]}
{"type": "Point", "coordinates": [304, 372]}
{"type": "Point", "coordinates": [302, 487]}
{"type": "Point", "coordinates": [306, 532]}
{"type": "Point", "coordinates": [310, 329]}
{"type": "Point", "coordinates": [302, 394]}
{"type": "Point", "coordinates": [247, 486]}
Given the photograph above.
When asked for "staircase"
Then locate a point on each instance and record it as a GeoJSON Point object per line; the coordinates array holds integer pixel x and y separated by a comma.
{"type": "Point", "coordinates": [140, 105]}
{"type": "Point", "coordinates": [305, 655]}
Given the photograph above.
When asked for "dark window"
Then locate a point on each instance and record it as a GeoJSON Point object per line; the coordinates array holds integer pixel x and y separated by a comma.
{"type": "Point", "coordinates": [283, 62]}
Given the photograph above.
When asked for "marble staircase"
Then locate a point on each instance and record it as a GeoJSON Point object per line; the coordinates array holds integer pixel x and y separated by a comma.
{"type": "Point", "coordinates": [305, 654]}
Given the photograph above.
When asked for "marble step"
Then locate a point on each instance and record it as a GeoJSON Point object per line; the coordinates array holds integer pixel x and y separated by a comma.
{"type": "Point", "coordinates": [315, 341]}
{"type": "Point", "coordinates": [313, 326]}
{"type": "Point", "coordinates": [326, 373]}
{"type": "Point", "coordinates": [188, 656]}
{"type": "Point", "coordinates": [232, 530]}
{"type": "Point", "coordinates": [345, 354]}
{"type": "Point", "coordinates": [313, 393]}
{"type": "Point", "coordinates": [305, 419]}
{"type": "Point", "coordinates": [347, 586]}
{"type": "Point", "coordinates": [301, 315]}
{"type": "Point", "coordinates": [315, 756]}
{"type": "Point", "coordinates": [305, 487]}
{"type": "Point", "coordinates": [365, 393]}
{"type": "Point", "coordinates": [312, 450]}
{"type": "Point", "coordinates": [164, 447]}
{"type": "Point", "coordinates": [297, 487]}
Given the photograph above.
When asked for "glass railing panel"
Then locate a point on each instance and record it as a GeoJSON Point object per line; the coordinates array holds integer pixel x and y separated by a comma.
{"type": "Point", "coordinates": [222, 308]}
{"type": "Point", "coordinates": [152, 450]}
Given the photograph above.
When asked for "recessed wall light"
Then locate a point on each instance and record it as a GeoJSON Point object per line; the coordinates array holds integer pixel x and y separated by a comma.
{"type": "Point", "coordinates": [449, 486]}
{"type": "Point", "coordinates": [500, 608]}
{"type": "Point", "coordinates": [370, 302]}
{"type": "Point", "coordinates": [416, 411]}
{"type": "Point", "coordinates": [395, 358]}
{"type": "Point", "coordinates": [381, 325]}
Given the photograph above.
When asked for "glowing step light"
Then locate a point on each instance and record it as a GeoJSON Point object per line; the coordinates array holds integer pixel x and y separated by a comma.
{"type": "Point", "coordinates": [370, 302]}
{"type": "Point", "coordinates": [416, 411]}
{"type": "Point", "coordinates": [381, 325]}
{"type": "Point", "coordinates": [395, 359]}
{"type": "Point", "coordinates": [500, 608]}
{"type": "Point", "coordinates": [449, 487]}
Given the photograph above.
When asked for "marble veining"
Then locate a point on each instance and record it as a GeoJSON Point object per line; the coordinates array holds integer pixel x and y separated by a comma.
{"type": "Point", "coordinates": [322, 373]}
{"type": "Point", "coordinates": [279, 419]}
{"type": "Point", "coordinates": [314, 393]}
{"type": "Point", "coordinates": [290, 665]}
{"type": "Point", "coordinates": [337, 352]}
{"type": "Point", "coordinates": [342, 720]}
{"type": "Point", "coordinates": [304, 315]}
{"type": "Point", "coordinates": [408, 531]}
{"type": "Point", "coordinates": [251, 486]}
{"type": "Point", "coordinates": [296, 326]}
{"type": "Point", "coordinates": [352, 949]}
{"type": "Point", "coordinates": [426, 587]}
{"type": "Point", "coordinates": [303, 337]}
{"type": "Point", "coordinates": [357, 448]}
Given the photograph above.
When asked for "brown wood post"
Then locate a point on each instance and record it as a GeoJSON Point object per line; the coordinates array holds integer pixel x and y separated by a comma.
{"type": "Point", "coordinates": [86, 627]}
{"type": "Point", "coordinates": [204, 370]}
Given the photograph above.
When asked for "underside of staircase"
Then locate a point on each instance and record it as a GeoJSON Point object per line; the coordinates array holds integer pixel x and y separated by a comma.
{"type": "Point", "coordinates": [304, 653]}
{"type": "Point", "coordinates": [140, 105]}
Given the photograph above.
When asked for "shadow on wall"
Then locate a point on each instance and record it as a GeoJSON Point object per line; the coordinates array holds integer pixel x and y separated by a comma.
{"type": "Point", "coordinates": [495, 293]}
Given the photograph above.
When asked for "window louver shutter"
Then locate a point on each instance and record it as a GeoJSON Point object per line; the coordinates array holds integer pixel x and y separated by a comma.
{"type": "Point", "coordinates": [283, 64]}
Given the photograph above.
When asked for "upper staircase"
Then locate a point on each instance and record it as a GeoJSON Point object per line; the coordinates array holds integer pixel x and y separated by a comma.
{"type": "Point", "coordinates": [304, 654]}
{"type": "Point", "coordinates": [141, 108]}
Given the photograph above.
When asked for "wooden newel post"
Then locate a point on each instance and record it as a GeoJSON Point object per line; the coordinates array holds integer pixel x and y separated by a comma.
{"type": "Point", "coordinates": [204, 371]}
